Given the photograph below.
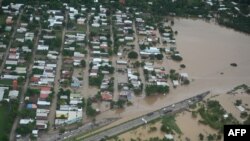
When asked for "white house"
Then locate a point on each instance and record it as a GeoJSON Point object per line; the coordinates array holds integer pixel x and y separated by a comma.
{"type": "Point", "coordinates": [43, 103]}
{"type": "Point", "coordinates": [95, 25]}
{"type": "Point", "coordinates": [2, 89]}
{"type": "Point", "coordinates": [42, 47]}
{"type": "Point", "coordinates": [11, 62]}
{"type": "Point", "coordinates": [20, 70]}
{"type": "Point", "coordinates": [26, 121]}
{"type": "Point", "coordinates": [81, 21]}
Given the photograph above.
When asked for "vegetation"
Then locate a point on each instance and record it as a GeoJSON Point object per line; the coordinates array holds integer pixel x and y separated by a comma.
{"type": "Point", "coordinates": [37, 71]}
{"type": "Point", "coordinates": [169, 125]}
{"type": "Point", "coordinates": [6, 82]}
{"type": "Point", "coordinates": [173, 75]}
{"type": "Point", "coordinates": [61, 130]}
{"type": "Point", "coordinates": [64, 93]}
{"type": "Point", "coordinates": [27, 113]}
{"type": "Point", "coordinates": [32, 92]}
{"type": "Point", "coordinates": [159, 56]}
{"type": "Point", "coordinates": [212, 115]}
{"type": "Point", "coordinates": [176, 57]}
{"type": "Point", "coordinates": [153, 89]}
{"type": "Point", "coordinates": [25, 129]}
{"type": "Point", "coordinates": [247, 121]}
{"type": "Point", "coordinates": [133, 55]}
{"type": "Point", "coordinates": [238, 102]}
{"type": "Point", "coordinates": [183, 66]}
{"type": "Point", "coordinates": [90, 111]}
{"type": "Point", "coordinates": [83, 104]}
{"type": "Point", "coordinates": [243, 114]}
{"type": "Point", "coordinates": [83, 63]}
{"type": "Point", "coordinates": [152, 129]}
{"type": "Point", "coordinates": [233, 64]}
{"type": "Point", "coordinates": [96, 81]}
{"type": "Point", "coordinates": [201, 137]}
{"type": "Point", "coordinates": [107, 68]}
{"type": "Point", "coordinates": [8, 112]}
{"type": "Point", "coordinates": [120, 103]}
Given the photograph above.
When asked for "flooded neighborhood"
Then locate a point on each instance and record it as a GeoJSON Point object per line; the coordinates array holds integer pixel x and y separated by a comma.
{"type": "Point", "coordinates": [123, 70]}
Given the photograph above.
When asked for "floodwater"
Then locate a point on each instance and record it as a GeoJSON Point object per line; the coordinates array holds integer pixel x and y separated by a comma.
{"type": "Point", "coordinates": [228, 103]}
{"type": "Point", "coordinates": [191, 128]}
{"type": "Point", "coordinates": [208, 50]}
{"type": "Point", "coordinates": [143, 132]}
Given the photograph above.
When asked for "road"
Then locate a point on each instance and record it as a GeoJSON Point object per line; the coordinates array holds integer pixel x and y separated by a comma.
{"type": "Point", "coordinates": [52, 113]}
{"type": "Point", "coordinates": [11, 41]}
{"type": "Point", "coordinates": [114, 59]}
{"type": "Point", "coordinates": [25, 86]}
{"type": "Point", "coordinates": [87, 59]}
{"type": "Point", "coordinates": [55, 136]}
{"type": "Point", "coordinates": [137, 49]}
{"type": "Point", "coordinates": [148, 117]}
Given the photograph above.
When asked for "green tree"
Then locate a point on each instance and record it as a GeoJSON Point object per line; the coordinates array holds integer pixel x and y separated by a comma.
{"type": "Point", "coordinates": [62, 130]}
{"type": "Point", "coordinates": [159, 56]}
{"type": "Point", "coordinates": [201, 137]}
{"type": "Point", "coordinates": [120, 103]}
{"type": "Point", "coordinates": [247, 121]}
{"type": "Point", "coordinates": [133, 55]}
{"type": "Point", "coordinates": [20, 80]}
{"type": "Point", "coordinates": [210, 137]}
{"type": "Point", "coordinates": [90, 111]}
{"type": "Point", "coordinates": [83, 63]}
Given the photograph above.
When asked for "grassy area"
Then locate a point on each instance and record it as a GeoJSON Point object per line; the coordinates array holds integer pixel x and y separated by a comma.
{"type": "Point", "coordinates": [3, 118]}
{"type": "Point", "coordinates": [95, 29]}
{"type": "Point", "coordinates": [169, 124]}
{"type": "Point", "coordinates": [2, 19]}
{"type": "Point", "coordinates": [6, 82]}
{"type": "Point", "coordinates": [58, 34]}
{"type": "Point", "coordinates": [81, 28]}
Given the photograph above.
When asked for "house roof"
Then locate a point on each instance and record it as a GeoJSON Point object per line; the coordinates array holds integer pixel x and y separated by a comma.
{"type": "Point", "coordinates": [43, 96]}
{"type": "Point", "coordinates": [106, 95]}
{"type": "Point", "coordinates": [45, 88]}
{"type": "Point", "coordinates": [31, 106]}
{"type": "Point", "coordinates": [34, 79]}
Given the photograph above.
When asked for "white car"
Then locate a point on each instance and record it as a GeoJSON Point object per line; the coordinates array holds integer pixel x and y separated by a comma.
{"type": "Point", "coordinates": [144, 120]}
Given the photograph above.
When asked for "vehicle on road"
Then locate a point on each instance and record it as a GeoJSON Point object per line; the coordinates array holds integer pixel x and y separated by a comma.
{"type": "Point", "coordinates": [144, 120]}
{"type": "Point", "coordinates": [150, 114]}
{"type": "Point", "coordinates": [165, 110]}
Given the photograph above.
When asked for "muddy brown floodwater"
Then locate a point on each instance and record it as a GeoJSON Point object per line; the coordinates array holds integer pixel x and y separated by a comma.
{"type": "Point", "coordinates": [208, 50]}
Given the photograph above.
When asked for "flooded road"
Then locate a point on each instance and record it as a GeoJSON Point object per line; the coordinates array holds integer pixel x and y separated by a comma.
{"type": "Point", "coordinates": [208, 50]}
